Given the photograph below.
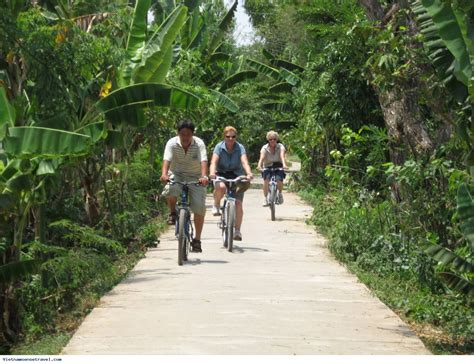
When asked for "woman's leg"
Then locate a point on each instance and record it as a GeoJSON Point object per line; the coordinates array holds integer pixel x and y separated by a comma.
{"type": "Point", "coordinates": [266, 182]}
{"type": "Point", "coordinates": [219, 191]}
{"type": "Point", "coordinates": [280, 186]}
{"type": "Point", "coordinates": [239, 212]}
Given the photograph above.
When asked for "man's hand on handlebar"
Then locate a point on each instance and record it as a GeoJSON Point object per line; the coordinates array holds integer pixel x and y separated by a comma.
{"type": "Point", "coordinates": [204, 180]}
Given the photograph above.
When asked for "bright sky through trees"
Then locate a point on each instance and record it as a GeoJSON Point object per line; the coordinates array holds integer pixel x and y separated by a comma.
{"type": "Point", "coordinates": [243, 33]}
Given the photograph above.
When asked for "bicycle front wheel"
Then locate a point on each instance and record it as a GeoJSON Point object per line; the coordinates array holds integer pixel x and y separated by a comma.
{"type": "Point", "coordinates": [230, 224]}
{"type": "Point", "coordinates": [182, 249]}
{"type": "Point", "coordinates": [223, 224]}
{"type": "Point", "coordinates": [272, 200]}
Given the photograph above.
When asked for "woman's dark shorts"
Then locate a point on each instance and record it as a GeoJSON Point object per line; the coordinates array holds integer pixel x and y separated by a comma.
{"type": "Point", "coordinates": [241, 186]}
{"type": "Point", "coordinates": [280, 175]}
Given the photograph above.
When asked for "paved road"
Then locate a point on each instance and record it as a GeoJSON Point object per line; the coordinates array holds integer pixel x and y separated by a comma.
{"type": "Point", "coordinates": [279, 292]}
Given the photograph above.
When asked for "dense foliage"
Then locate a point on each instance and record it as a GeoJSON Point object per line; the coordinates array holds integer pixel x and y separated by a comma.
{"type": "Point", "coordinates": [374, 98]}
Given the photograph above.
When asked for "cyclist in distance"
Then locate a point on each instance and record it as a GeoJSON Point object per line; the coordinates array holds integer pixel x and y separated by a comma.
{"type": "Point", "coordinates": [185, 160]}
{"type": "Point", "coordinates": [229, 160]}
{"type": "Point", "coordinates": [273, 155]}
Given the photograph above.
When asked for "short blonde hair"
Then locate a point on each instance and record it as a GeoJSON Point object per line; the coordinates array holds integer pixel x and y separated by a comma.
{"type": "Point", "coordinates": [272, 134]}
{"type": "Point", "coordinates": [230, 128]}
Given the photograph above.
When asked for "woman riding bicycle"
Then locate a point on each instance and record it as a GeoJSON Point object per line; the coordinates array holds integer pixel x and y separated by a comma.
{"type": "Point", "coordinates": [229, 160]}
{"type": "Point", "coordinates": [272, 154]}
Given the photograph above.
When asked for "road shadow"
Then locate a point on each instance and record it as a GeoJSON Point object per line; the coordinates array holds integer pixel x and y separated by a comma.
{"type": "Point", "coordinates": [199, 261]}
{"type": "Point", "coordinates": [242, 249]}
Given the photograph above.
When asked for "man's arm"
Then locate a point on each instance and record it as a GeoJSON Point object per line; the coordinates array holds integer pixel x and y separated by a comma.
{"type": "Point", "coordinates": [164, 171]}
{"type": "Point", "coordinates": [204, 180]}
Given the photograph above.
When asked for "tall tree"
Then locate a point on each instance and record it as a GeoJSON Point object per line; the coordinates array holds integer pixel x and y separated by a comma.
{"type": "Point", "coordinates": [400, 102]}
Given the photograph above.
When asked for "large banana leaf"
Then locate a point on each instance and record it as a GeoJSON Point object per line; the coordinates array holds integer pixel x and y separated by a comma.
{"type": "Point", "coordinates": [466, 212]}
{"type": "Point", "coordinates": [135, 41]}
{"type": "Point", "coordinates": [156, 67]}
{"type": "Point", "coordinates": [447, 257]}
{"type": "Point", "coordinates": [192, 34]}
{"type": "Point", "coordinates": [95, 131]}
{"type": "Point", "coordinates": [270, 57]}
{"type": "Point", "coordinates": [277, 106]}
{"type": "Point", "coordinates": [223, 27]}
{"type": "Point", "coordinates": [7, 113]}
{"type": "Point", "coordinates": [192, 4]}
{"type": "Point", "coordinates": [236, 78]}
{"type": "Point", "coordinates": [287, 65]}
{"type": "Point", "coordinates": [220, 56]}
{"type": "Point", "coordinates": [458, 283]}
{"type": "Point", "coordinates": [290, 77]}
{"type": "Point", "coordinates": [19, 182]}
{"type": "Point", "coordinates": [281, 87]}
{"type": "Point", "coordinates": [16, 270]}
{"type": "Point", "coordinates": [459, 269]}
{"type": "Point", "coordinates": [223, 100]}
{"type": "Point", "coordinates": [30, 141]}
{"type": "Point", "coordinates": [157, 57]}
{"type": "Point", "coordinates": [450, 29]}
{"type": "Point", "coordinates": [442, 59]}
{"type": "Point", "coordinates": [264, 69]}
{"type": "Point", "coordinates": [132, 115]}
{"type": "Point", "coordinates": [148, 94]}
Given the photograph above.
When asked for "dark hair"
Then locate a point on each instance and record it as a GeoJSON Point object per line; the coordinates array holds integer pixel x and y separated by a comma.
{"type": "Point", "coordinates": [186, 124]}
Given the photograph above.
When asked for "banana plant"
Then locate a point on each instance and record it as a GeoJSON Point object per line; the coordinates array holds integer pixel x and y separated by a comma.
{"type": "Point", "coordinates": [459, 272]}
{"type": "Point", "coordinates": [449, 39]}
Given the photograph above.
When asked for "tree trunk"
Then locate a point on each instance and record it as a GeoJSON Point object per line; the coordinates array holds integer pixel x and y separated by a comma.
{"type": "Point", "coordinates": [404, 125]}
{"type": "Point", "coordinates": [399, 103]}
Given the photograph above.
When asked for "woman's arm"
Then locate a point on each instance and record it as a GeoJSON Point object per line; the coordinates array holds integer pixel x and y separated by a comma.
{"type": "Point", "coordinates": [246, 166]}
{"type": "Point", "coordinates": [283, 157]}
{"type": "Point", "coordinates": [260, 161]}
{"type": "Point", "coordinates": [213, 166]}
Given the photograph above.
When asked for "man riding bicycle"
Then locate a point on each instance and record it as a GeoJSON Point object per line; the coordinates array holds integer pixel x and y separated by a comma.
{"type": "Point", "coordinates": [185, 160]}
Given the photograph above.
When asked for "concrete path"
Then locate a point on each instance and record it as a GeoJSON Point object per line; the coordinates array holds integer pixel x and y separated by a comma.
{"type": "Point", "coordinates": [279, 292]}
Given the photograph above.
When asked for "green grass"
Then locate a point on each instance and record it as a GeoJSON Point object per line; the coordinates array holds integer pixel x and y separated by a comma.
{"type": "Point", "coordinates": [47, 345]}
{"type": "Point", "coordinates": [442, 320]}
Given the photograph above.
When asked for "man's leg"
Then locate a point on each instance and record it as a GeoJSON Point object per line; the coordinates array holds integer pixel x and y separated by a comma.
{"type": "Point", "coordinates": [171, 200]}
{"type": "Point", "coordinates": [198, 224]}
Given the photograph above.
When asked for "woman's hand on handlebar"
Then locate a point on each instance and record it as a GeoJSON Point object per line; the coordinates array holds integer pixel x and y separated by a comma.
{"type": "Point", "coordinates": [165, 178]}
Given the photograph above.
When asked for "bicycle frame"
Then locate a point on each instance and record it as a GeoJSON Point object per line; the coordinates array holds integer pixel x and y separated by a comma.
{"type": "Point", "coordinates": [184, 230]}
{"type": "Point", "coordinates": [183, 204]}
{"type": "Point", "coordinates": [228, 214]}
{"type": "Point", "coordinates": [272, 190]}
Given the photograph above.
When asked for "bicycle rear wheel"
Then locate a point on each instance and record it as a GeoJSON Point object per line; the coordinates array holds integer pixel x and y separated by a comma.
{"type": "Point", "coordinates": [230, 223]}
{"type": "Point", "coordinates": [182, 249]}
{"type": "Point", "coordinates": [272, 200]}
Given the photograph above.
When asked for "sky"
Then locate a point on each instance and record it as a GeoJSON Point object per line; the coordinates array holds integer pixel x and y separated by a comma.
{"type": "Point", "coordinates": [243, 33]}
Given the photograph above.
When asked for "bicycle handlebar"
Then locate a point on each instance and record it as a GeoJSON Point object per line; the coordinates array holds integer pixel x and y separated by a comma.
{"type": "Point", "coordinates": [173, 182]}
{"type": "Point", "coordinates": [233, 180]}
{"type": "Point", "coordinates": [273, 169]}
